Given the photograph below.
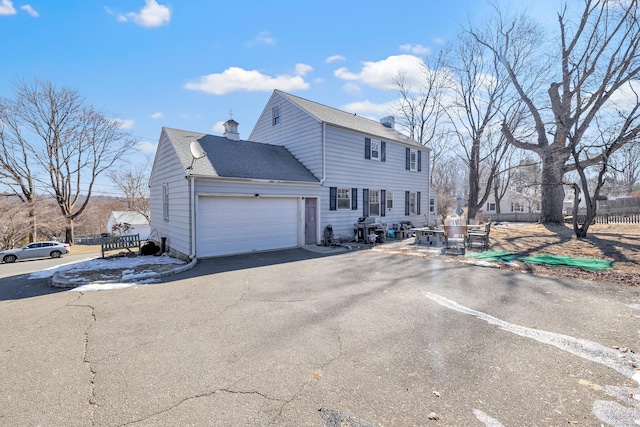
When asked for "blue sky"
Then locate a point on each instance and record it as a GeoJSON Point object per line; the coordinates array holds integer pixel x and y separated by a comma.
{"type": "Point", "coordinates": [187, 64]}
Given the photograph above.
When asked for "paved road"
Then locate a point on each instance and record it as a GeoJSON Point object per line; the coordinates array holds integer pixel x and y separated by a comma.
{"type": "Point", "coordinates": [294, 339]}
{"type": "Point", "coordinates": [14, 278]}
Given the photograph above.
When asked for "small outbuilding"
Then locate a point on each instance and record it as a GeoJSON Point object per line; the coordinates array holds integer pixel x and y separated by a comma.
{"type": "Point", "coordinates": [127, 223]}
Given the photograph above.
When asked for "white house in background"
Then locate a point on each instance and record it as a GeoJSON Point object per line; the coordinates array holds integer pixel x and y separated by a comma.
{"type": "Point", "coordinates": [137, 222]}
{"type": "Point", "coordinates": [512, 202]}
{"type": "Point", "coordinates": [304, 166]}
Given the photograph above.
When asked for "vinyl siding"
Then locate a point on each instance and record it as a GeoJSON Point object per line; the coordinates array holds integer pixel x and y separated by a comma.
{"type": "Point", "coordinates": [298, 131]}
{"type": "Point", "coordinates": [168, 170]}
{"type": "Point", "coordinates": [348, 168]}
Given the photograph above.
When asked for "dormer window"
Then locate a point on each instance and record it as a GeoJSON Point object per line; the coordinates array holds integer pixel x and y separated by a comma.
{"type": "Point", "coordinates": [275, 116]}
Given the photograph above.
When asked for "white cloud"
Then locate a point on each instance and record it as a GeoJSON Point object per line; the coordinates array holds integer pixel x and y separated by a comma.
{"type": "Point", "coordinates": [334, 58]}
{"type": "Point", "coordinates": [352, 88]}
{"type": "Point", "coordinates": [218, 127]}
{"type": "Point", "coordinates": [381, 74]}
{"type": "Point", "coordinates": [125, 123]}
{"type": "Point", "coordinates": [438, 40]}
{"type": "Point", "coordinates": [146, 147]}
{"type": "Point", "coordinates": [263, 37]}
{"type": "Point", "coordinates": [625, 98]}
{"type": "Point", "coordinates": [31, 11]}
{"type": "Point", "coordinates": [6, 8]}
{"type": "Point", "coordinates": [302, 69]}
{"type": "Point", "coordinates": [157, 115]}
{"type": "Point", "coordinates": [416, 49]}
{"type": "Point", "coordinates": [150, 16]}
{"type": "Point", "coordinates": [238, 79]}
{"type": "Point", "coordinates": [369, 109]}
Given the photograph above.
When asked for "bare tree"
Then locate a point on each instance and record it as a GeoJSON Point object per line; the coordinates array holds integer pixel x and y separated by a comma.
{"type": "Point", "coordinates": [15, 223]}
{"type": "Point", "coordinates": [598, 57]}
{"type": "Point", "coordinates": [598, 143]}
{"type": "Point", "coordinates": [624, 166]}
{"type": "Point", "coordinates": [480, 102]}
{"type": "Point", "coordinates": [420, 109]}
{"type": "Point", "coordinates": [68, 142]}
{"type": "Point", "coordinates": [15, 168]}
{"type": "Point", "coordinates": [133, 183]}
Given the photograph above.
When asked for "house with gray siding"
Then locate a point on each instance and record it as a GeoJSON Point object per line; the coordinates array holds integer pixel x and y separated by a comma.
{"type": "Point", "coordinates": [366, 167]}
{"type": "Point", "coordinates": [304, 166]}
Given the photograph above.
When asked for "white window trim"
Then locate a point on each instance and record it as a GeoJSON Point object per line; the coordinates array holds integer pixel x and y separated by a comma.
{"type": "Point", "coordinates": [165, 201]}
{"type": "Point", "coordinates": [374, 195]}
{"type": "Point", "coordinates": [413, 203]}
{"type": "Point", "coordinates": [432, 205]}
{"type": "Point", "coordinates": [413, 160]}
{"type": "Point", "coordinates": [389, 200]}
{"type": "Point", "coordinates": [338, 198]}
{"type": "Point", "coordinates": [275, 119]}
{"type": "Point", "coordinates": [377, 152]}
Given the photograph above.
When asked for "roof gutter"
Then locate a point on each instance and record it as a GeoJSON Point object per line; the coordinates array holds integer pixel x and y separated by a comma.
{"type": "Point", "coordinates": [254, 180]}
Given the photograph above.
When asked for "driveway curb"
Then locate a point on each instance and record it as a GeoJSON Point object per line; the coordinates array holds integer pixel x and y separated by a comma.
{"type": "Point", "coordinates": [59, 281]}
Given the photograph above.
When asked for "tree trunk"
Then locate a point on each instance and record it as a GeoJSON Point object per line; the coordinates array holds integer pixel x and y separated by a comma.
{"type": "Point", "coordinates": [68, 233]}
{"type": "Point", "coordinates": [474, 180]}
{"type": "Point", "coordinates": [34, 226]}
{"type": "Point", "coordinates": [552, 191]}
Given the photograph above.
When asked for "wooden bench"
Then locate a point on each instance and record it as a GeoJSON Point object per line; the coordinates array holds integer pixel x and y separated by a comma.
{"type": "Point", "coordinates": [112, 243]}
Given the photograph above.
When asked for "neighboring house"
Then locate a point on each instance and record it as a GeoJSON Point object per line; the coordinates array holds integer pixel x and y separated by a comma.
{"type": "Point", "coordinates": [305, 166]}
{"type": "Point", "coordinates": [137, 224]}
{"type": "Point", "coordinates": [512, 202]}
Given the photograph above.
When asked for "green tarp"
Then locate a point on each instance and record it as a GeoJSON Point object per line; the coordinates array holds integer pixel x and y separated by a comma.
{"type": "Point", "coordinates": [544, 259]}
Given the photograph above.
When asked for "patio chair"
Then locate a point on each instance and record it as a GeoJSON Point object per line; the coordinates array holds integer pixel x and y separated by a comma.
{"type": "Point", "coordinates": [479, 237]}
{"type": "Point", "coordinates": [455, 237]}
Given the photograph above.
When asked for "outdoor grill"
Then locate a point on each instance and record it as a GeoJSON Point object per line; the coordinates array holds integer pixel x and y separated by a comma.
{"type": "Point", "coordinates": [367, 227]}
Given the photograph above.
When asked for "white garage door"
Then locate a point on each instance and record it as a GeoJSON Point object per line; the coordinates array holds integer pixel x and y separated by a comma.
{"type": "Point", "coordinates": [233, 225]}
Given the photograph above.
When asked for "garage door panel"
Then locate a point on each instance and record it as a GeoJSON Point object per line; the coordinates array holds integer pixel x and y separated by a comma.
{"type": "Point", "coordinates": [230, 225]}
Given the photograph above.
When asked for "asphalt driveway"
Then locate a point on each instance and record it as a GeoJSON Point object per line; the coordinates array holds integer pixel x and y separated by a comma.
{"type": "Point", "coordinates": [292, 338]}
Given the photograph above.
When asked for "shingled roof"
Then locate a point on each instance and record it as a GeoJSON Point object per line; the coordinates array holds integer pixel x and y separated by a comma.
{"type": "Point", "coordinates": [238, 158]}
{"type": "Point", "coordinates": [346, 120]}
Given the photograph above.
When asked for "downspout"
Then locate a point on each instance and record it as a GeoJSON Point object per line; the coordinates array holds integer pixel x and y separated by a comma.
{"type": "Point", "coordinates": [192, 182]}
{"type": "Point", "coordinates": [323, 153]}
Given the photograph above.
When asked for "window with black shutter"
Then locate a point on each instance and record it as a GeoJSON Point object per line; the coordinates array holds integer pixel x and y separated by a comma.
{"type": "Point", "coordinates": [418, 203]}
{"type": "Point", "coordinates": [406, 201]}
{"type": "Point", "coordinates": [367, 148]}
{"type": "Point", "coordinates": [333, 198]}
{"type": "Point", "coordinates": [354, 199]}
{"type": "Point", "coordinates": [383, 202]}
{"type": "Point", "coordinates": [365, 202]}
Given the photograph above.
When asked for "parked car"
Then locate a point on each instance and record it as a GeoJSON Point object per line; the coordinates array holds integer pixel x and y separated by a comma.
{"type": "Point", "coordinates": [35, 250]}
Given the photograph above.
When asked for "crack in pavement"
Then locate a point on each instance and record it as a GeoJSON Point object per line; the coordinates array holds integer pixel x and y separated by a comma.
{"type": "Point", "coordinates": [198, 396]}
{"type": "Point", "coordinates": [85, 359]}
{"type": "Point", "coordinates": [314, 377]}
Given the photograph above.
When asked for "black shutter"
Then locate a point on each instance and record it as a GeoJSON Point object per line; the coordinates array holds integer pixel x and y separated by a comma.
{"type": "Point", "coordinates": [408, 165]}
{"type": "Point", "coordinates": [367, 148]}
{"type": "Point", "coordinates": [354, 199]}
{"type": "Point", "coordinates": [418, 202]}
{"type": "Point", "coordinates": [383, 202]}
{"type": "Point", "coordinates": [365, 202]}
{"type": "Point", "coordinates": [406, 202]}
{"type": "Point", "coordinates": [419, 161]}
{"type": "Point", "coordinates": [333, 198]}
{"type": "Point", "coordinates": [383, 149]}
